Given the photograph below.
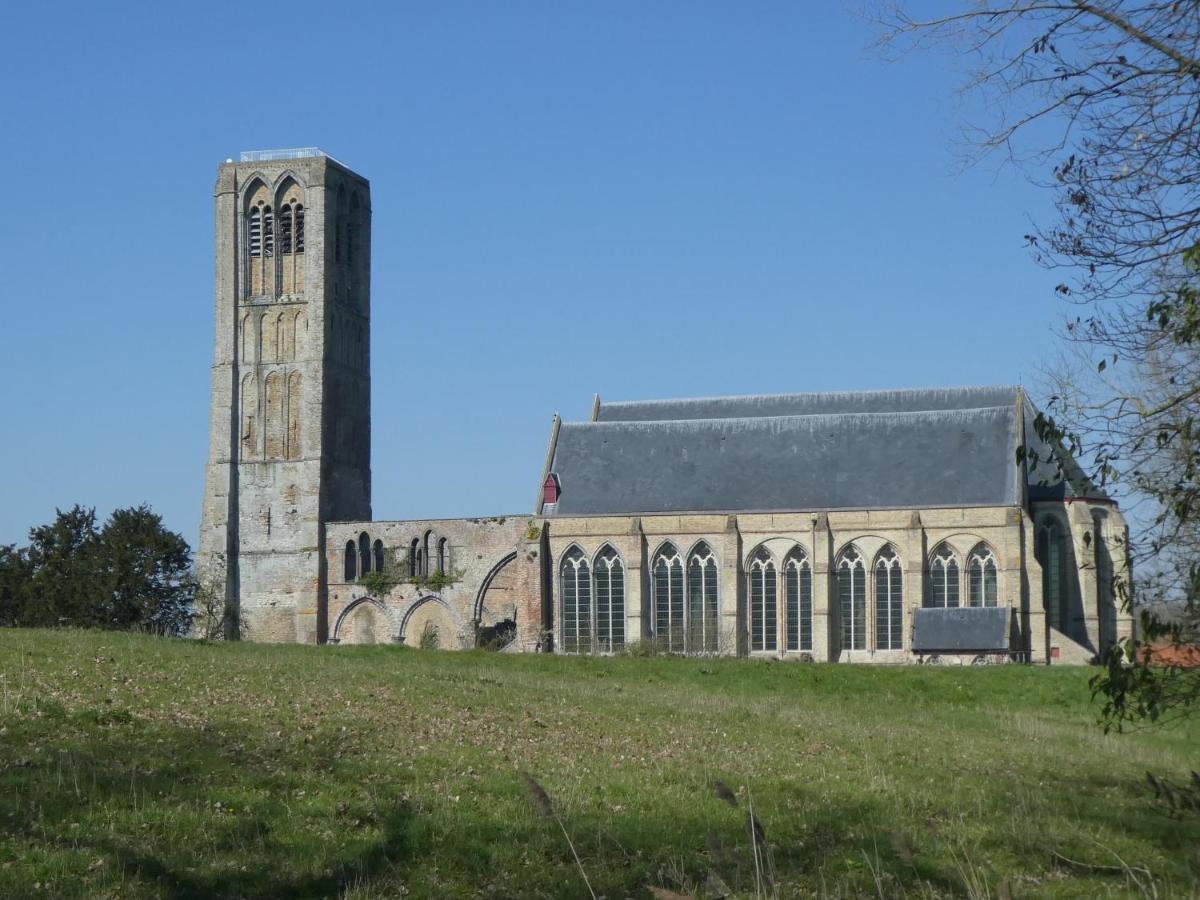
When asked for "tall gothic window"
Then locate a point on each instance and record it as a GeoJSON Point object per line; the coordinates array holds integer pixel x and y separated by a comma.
{"type": "Point", "coordinates": [889, 601]}
{"type": "Point", "coordinates": [852, 599]}
{"type": "Point", "coordinates": [702, 606]}
{"type": "Point", "coordinates": [576, 593]}
{"type": "Point", "coordinates": [943, 578]}
{"type": "Point", "coordinates": [669, 624]}
{"type": "Point", "coordinates": [350, 563]}
{"type": "Point", "coordinates": [1049, 551]}
{"type": "Point", "coordinates": [764, 600]}
{"type": "Point", "coordinates": [609, 580]}
{"type": "Point", "coordinates": [798, 585]}
{"type": "Point", "coordinates": [981, 569]}
{"type": "Point", "coordinates": [414, 558]}
{"type": "Point", "coordinates": [443, 556]}
{"type": "Point", "coordinates": [378, 554]}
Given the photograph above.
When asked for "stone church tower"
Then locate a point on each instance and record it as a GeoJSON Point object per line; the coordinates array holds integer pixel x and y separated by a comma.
{"type": "Point", "coordinates": [290, 432]}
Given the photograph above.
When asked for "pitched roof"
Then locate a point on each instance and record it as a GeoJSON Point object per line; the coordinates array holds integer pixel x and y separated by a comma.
{"type": "Point", "coordinates": [851, 450]}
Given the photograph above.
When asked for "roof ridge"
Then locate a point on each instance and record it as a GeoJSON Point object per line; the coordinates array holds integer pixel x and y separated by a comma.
{"type": "Point", "coordinates": [788, 395]}
{"type": "Point", "coordinates": [837, 415]}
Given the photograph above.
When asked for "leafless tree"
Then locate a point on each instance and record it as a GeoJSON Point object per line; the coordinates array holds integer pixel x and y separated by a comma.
{"type": "Point", "coordinates": [1099, 102]}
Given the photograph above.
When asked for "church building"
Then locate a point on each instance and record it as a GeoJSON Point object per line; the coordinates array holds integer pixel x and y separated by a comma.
{"type": "Point", "coordinates": [876, 526]}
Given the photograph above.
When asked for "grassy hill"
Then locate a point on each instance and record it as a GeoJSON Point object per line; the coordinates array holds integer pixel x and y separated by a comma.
{"type": "Point", "coordinates": [137, 767]}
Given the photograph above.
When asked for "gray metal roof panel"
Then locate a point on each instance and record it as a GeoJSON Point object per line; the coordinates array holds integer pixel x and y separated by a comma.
{"type": "Point", "coordinates": [830, 403]}
{"type": "Point", "coordinates": [847, 461]}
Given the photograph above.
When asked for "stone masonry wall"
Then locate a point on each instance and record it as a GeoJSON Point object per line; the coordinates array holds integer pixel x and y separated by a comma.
{"type": "Point", "coordinates": [494, 563]}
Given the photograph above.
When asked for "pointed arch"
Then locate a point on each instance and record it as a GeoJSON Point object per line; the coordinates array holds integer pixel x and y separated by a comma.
{"type": "Point", "coordinates": [703, 602]}
{"type": "Point", "coordinates": [798, 602]}
{"type": "Point", "coordinates": [289, 197]}
{"type": "Point", "coordinates": [982, 574]}
{"type": "Point", "coordinates": [275, 416]}
{"type": "Point", "coordinates": [609, 591]}
{"type": "Point", "coordinates": [350, 563]}
{"type": "Point", "coordinates": [340, 625]}
{"type": "Point", "coordinates": [576, 592]}
{"type": "Point", "coordinates": [414, 558]}
{"type": "Point", "coordinates": [852, 598]}
{"type": "Point", "coordinates": [377, 554]}
{"type": "Point", "coordinates": [889, 600]}
{"type": "Point", "coordinates": [428, 547]}
{"type": "Point", "coordinates": [295, 403]}
{"type": "Point", "coordinates": [667, 597]}
{"type": "Point", "coordinates": [249, 412]}
{"type": "Point", "coordinates": [443, 556]}
{"type": "Point", "coordinates": [256, 199]}
{"type": "Point", "coordinates": [764, 601]}
{"type": "Point", "coordinates": [943, 578]}
{"type": "Point", "coordinates": [299, 327]}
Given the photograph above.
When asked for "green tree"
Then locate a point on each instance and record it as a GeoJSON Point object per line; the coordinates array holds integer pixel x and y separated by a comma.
{"type": "Point", "coordinates": [133, 573]}
{"type": "Point", "coordinates": [146, 573]}
{"type": "Point", "coordinates": [14, 581]}
{"type": "Point", "coordinates": [65, 584]}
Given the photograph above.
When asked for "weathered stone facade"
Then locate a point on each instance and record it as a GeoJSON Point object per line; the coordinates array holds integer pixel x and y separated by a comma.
{"type": "Point", "coordinates": [289, 440]}
{"type": "Point", "coordinates": [287, 534]}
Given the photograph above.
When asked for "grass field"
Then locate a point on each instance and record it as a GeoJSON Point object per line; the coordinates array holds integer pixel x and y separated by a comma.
{"type": "Point", "coordinates": [137, 767]}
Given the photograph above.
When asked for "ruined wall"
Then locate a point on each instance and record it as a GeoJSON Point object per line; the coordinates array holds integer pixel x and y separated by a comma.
{"type": "Point", "coordinates": [490, 570]}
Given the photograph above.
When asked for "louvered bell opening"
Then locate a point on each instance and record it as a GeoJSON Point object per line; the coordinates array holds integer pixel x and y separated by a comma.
{"type": "Point", "coordinates": [255, 232]}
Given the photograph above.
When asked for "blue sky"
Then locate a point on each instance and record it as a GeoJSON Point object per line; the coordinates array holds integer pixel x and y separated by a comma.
{"type": "Point", "coordinates": [637, 199]}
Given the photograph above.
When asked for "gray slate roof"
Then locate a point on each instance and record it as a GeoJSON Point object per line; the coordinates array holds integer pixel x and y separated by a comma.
{"type": "Point", "coordinates": [870, 449]}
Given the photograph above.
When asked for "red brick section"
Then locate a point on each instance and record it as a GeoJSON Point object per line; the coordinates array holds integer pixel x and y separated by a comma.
{"type": "Point", "coordinates": [1183, 656]}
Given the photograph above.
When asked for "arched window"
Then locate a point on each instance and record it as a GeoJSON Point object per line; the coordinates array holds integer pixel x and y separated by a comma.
{"type": "Point", "coordinates": [702, 605]}
{"type": "Point", "coordinates": [378, 548]}
{"type": "Point", "coordinates": [576, 602]}
{"type": "Point", "coordinates": [414, 562]}
{"type": "Point", "coordinates": [350, 563]}
{"type": "Point", "coordinates": [249, 417]}
{"type": "Point", "coordinates": [295, 402]}
{"type": "Point", "coordinates": [852, 599]}
{"type": "Point", "coordinates": [1049, 552]}
{"type": "Point", "coordinates": [982, 570]}
{"type": "Point", "coordinates": [798, 585]}
{"type": "Point", "coordinates": [764, 598]}
{"type": "Point", "coordinates": [889, 601]}
{"type": "Point", "coordinates": [610, 601]}
{"type": "Point", "coordinates": [364, 554]}
{"type": "Point", "coordinates": [426, 544]}
{"type": "Point", "coordinates": [443, 556]}
{"type": "Point", "coordinates": [299, 227]}
{"type": "Point", "coordinates": [943, 578]}
{"type": "Point", "coordinates": [669, 624]}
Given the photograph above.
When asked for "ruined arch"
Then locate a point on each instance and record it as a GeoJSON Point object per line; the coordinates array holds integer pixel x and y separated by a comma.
{"type": "Point", "coordinates": [433, 610]}
{"type": "Point", "coordinates": [344, 630]}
